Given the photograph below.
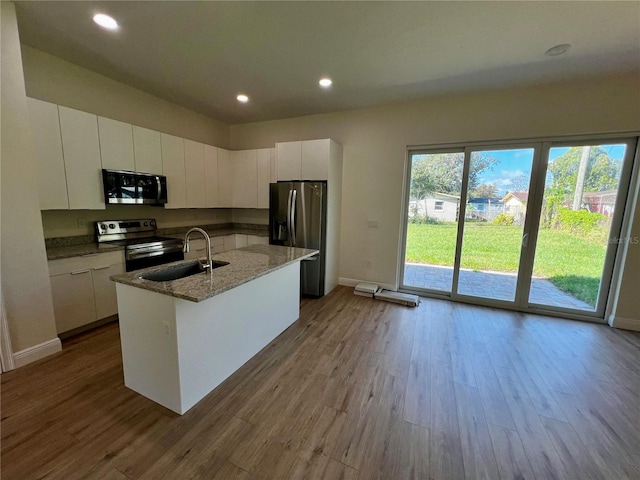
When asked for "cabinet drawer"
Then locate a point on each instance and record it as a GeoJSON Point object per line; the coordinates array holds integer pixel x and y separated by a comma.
{"type": "Point", "coordinates": [87, 262]}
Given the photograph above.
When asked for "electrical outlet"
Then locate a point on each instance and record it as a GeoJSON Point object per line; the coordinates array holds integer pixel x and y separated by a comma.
{"type": "Point", "coordinates": [167, 330]}
{"type": "Point", "coordinates": [372, 224]}
{"type": "Point", "coordinates": [369, 264]}
{"type": "Point", "coordinates": [82, 223]}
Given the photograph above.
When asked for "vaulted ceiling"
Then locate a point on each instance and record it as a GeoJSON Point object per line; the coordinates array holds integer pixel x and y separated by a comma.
{"type": "Point", "coordinates": [202, 54]}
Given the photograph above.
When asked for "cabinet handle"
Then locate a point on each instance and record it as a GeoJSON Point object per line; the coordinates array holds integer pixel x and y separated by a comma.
{"type": "Point", "coordinates": [78, 272]}
{"type": "Point", "coordinates": [90, 254]}
{"type": "Point", "coordinates": [101, 268]}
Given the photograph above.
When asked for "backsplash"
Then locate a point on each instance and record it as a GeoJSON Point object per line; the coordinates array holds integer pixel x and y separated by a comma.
{"type": "Point", "coordinates": [79, 223]}
{"type": "Point", "coordinates": [71, 223]}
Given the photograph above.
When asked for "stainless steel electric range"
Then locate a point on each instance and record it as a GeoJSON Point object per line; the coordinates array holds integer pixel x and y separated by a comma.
{"type": "Point", "coordinates": [142, 247]}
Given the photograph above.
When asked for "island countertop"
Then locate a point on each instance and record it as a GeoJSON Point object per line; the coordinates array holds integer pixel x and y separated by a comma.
{"type": "Point", "coordinates": [245, 264]}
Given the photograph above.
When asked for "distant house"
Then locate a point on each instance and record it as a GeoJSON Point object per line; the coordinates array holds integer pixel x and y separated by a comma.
{"type": "Point", "coordinates": [484, 208]}
{"type": "Point", "coordinates": [600, 202]}
{"type": "Point", "coordinates": [437, 206]}
{"type": "Point", "coordinates": [515, 204]}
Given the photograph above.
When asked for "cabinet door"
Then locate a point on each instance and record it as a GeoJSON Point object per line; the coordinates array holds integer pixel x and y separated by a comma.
{"type": "Point", "coordinates": [52, 180]}
{"type": "Point", "coordinates": [229, 242]}
{"type": "Point", "coordinates": [147, 150]}
{"type": "Point", "coordinates": [211, 176]}
{"type": "Point", "coordinates": [225, 178]}
{"type": "Point", "coordinates": [194, 174]}
{"type": "Point", "coordinates": [289, 158]}
{"type": "Point", "coordinates": [81, 149]}
{"type": "Point", "coordinates": [245, 179]}
{"type": "Point", "coordinates": [105, 290]}
{"type": "Point", "coordinates": [257, 240]}
{"type": "Point", "coordinates": [265, 170]}
{"type": "Point", "coordinates": [116, 144]}
{"type": "Point", "coordinates": [73, 301]}
{"type": "Point", "coordinates": [315, 159]}
{"type": "Point", "coordinates": [173, 169]}
{"type": "Point", "coordinates": [241, 240]}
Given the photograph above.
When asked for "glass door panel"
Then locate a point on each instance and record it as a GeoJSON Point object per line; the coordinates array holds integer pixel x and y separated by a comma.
{"type": "Point", "coordinates": [492, 234]}
{"type": "Point", "coordinates": [573, 256]}
{"type": "Point", "coordinates": [432, 220]}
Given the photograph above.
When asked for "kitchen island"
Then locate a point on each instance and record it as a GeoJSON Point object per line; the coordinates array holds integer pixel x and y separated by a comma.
{"type": "Point", "coordinates": [182, 338]}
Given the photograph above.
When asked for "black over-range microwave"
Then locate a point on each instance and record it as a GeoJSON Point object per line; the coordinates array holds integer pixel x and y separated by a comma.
{"type": "Point", "coordinates": [124, 187]}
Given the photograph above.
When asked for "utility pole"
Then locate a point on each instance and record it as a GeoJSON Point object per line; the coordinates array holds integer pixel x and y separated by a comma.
{"type": "Point", "coordinates": [582, 172]}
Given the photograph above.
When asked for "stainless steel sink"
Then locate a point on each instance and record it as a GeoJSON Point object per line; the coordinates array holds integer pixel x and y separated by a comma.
{"type": "Point", "coordinates": [179, 271]}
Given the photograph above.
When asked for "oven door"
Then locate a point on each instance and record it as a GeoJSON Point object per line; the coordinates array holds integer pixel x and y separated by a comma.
{"type": "Point", "coordinates": [140, 258]}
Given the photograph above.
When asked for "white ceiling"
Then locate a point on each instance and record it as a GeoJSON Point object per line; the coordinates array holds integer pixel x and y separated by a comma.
{"type": "Point", "coordinates": [202, 54]}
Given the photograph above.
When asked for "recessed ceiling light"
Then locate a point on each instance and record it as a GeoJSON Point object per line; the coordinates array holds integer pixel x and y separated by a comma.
{"type": "Point", "coordinates": [557, 50]}
{"type": "Point", "coordinates": [242, 98]}
{"type": "Point", "coordinates": [325, 82]}
{"type": "Point", "coordinates": [105, 21]}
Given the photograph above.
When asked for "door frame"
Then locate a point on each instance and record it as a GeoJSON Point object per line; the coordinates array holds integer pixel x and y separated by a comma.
{"type": "Point", "coordinates": [613, 261]}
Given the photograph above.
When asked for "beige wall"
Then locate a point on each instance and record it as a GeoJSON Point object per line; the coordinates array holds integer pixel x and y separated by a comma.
{"type": "Point", "coordinates": [25, 277]}
{"type": "Point", "coordinates": [54, 80]}
{"type": "Point", "coordinates": [375, 142]}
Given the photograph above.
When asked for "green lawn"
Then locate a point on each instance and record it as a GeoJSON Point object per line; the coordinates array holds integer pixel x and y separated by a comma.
{"type": "Point", "coordinates": [571, 263]}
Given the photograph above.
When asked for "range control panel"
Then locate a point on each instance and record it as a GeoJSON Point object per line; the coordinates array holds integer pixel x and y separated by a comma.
{"type": "Point", "coordinates": [120, 227]}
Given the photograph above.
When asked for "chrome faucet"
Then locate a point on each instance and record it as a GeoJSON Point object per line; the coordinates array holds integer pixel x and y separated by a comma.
{"type": "Point", "coordinates": [185, 247]}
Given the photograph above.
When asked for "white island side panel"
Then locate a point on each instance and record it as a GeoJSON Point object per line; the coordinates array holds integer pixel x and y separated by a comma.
{"type": "Point", "coordinates": [149, 347]}
{"type": "Point", "coordinates": [217, 336]}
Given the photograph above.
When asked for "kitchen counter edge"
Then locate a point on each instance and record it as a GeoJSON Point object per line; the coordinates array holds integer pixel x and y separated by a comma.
{"type": "Point", "coordinates": [245, 264]}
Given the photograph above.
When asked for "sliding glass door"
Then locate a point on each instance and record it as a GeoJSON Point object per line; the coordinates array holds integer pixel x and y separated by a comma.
{"type": "Point", "coordinates": [493, 229]}
{"type": "Point", "coordinates": [578, 224]}
{"type": "Point", "coordinates": [528, 226]}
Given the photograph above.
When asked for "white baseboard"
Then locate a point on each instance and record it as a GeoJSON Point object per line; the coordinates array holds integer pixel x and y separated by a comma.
{"type": "Point", "coordinates": [350, 282]}
{"type": "Point", "coordinates": [625, 323]}
{"type": "Point", "coordinates": [31, 354]}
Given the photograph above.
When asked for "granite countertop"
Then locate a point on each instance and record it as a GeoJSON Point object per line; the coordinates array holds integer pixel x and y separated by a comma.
{"type": "Point", "coordinates": [245, 264]}
{"type": "Point", "coordinates": [221, 232]}
{"type": "Point", "coordinates": [67, 247]}
{"type": "Point", "coordinates": [56, 253]}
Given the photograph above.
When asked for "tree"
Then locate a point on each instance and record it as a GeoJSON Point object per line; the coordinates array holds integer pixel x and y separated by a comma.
{"type": "Point", "coordinates": [519, 183]}
{"type": "Point", "coordinates": [486, 190]}
{"type": "Point", "coordinates": [602, 171]}
{"type": "Point", "coordinates": [442, 173]}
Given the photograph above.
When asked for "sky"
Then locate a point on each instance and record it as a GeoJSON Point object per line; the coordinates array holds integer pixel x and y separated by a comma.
{"type": "Point", "coordinates": [514, 163]}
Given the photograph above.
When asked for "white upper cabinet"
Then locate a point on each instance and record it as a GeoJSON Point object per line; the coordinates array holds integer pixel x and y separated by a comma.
{"type": "Point", "coordinates": [245, 179]}
{"type": "Point", "coordinates": [52, 180]}
{"type": "Point", "coordinates": [116, 144]}
{"type": "Point", "coordinates": [225, 178]}
{"type": "Point", "coordinates": [289, 159]}
{"type": "Point", "coordinates": [173, 168]}
{"type": "Point", "coordinates": [195, 174]}
{"type": "Point", "coordinates": [266, 174]}
{"type": "Point", "coordinates": [306, 160]}
{"type": "Point", "coordinates": [147, 150]}
{"type": "Point", "coordinates": [315, 159]}
{"type": "Point", "coordinates": [211, 176]}
{"type": "Point", "coordinates": [81, 146]}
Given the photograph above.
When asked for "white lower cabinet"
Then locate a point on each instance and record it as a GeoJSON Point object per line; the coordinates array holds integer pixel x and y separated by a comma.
{"type": "Point", "coordinates": [257, 240]}
{"type": "Point", "coordinates": [104, 290]}
{"type": "Point", "coordinates": [229, 242]}
{"type": "Point", "coordinates": [73, 301]}
{"type": "Point", "coordinates": [81, 289]}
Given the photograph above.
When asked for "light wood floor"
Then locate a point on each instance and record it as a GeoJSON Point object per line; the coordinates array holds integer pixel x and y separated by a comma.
{"type": "Point", "coordinates": [356, 389]}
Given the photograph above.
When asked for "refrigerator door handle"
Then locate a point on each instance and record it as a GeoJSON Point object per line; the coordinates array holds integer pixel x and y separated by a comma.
{"type": "Point", "coordinates": [289, 216]}
{"type": "Point", "coordinates": [293, 218]}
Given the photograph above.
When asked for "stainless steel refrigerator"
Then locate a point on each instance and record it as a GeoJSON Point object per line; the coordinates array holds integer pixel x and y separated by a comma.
{"type": "Point", "coordinates": [298, 218]}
